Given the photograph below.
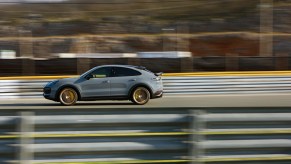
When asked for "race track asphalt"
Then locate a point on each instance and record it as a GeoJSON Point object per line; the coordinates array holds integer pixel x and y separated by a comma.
{"type": "Point", "coordinates": [234, 100]}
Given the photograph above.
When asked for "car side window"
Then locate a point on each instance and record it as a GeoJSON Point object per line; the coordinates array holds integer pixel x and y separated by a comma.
{"type": "Point", "coordinates": [121, 71]}
{"type": "Point", "coordinates": [102, 72]}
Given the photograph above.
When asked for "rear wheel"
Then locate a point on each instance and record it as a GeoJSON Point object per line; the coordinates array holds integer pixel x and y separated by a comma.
{"type": "Point", "coordinates": [140, 96]}
{"type": "Point", "coordinates": [68, 96]}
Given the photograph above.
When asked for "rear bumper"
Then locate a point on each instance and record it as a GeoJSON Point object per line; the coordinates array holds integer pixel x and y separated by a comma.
{"type": "Point", "coordinates": [158, 94]}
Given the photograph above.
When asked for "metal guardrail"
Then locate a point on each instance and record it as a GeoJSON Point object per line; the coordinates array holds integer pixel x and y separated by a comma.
{"type": "Point", "coordinates": [195, 84]}
{"type": "Point", "coordinates": [159, 135]}
{"type": "Point", "coordinates": [227, 84]}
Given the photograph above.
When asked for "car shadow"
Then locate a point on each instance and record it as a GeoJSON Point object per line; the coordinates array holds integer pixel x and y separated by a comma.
{"type": "Point", "coordinates": [104, 103]}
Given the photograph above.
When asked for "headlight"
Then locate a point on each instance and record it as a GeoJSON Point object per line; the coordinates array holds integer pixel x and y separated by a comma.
{"type": "Point", "coordinates": [52, 83]}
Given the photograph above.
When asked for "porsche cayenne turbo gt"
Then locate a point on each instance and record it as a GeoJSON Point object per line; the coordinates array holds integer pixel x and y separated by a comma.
{"type": "Point", "coordinates": [107, 82]}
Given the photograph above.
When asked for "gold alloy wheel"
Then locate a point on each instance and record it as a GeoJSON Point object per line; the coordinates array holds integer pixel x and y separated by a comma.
{"type": "Point", "coordinates": [141, 96]}
{"type": "Point", "coordinates": [68, 96]}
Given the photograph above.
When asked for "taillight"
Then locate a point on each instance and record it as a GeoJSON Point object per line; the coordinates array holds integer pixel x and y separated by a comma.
{"type": "Point", "coordinates": [157, 78]}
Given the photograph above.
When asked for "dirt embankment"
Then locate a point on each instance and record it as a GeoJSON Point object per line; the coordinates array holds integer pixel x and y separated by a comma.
{"type": "Point", "coordinates": [207, 44]}
{"type": "Point", "coordinates": [216, 28]}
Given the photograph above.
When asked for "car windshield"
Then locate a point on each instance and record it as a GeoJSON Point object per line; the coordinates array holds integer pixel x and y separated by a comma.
{"type": "Point", "coordinates": [87, 72]}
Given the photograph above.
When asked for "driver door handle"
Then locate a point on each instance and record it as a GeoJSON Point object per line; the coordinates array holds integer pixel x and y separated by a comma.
{"type": "Point", "coordinates": [106, 81]}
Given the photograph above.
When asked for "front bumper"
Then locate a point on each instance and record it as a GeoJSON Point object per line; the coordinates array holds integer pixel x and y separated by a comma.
{"type": "Point", "coordinates": [47, 94]}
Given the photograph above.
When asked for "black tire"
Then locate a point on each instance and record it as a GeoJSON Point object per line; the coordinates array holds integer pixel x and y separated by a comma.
{"type": "Point", "coordinates": [140, 95]}
{"type": "Point", "coordinates": [68, 96]}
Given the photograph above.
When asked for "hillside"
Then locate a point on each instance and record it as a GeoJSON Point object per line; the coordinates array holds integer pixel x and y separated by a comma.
{"type": "Point", "coordinates": [217, 27]}
{"type": "Point", "coordinates": [152, 10]}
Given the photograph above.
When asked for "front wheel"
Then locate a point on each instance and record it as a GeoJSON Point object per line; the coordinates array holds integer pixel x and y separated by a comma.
{"type": "Point", "coordinates": [68, 96]}
{"type": "Point", "coordinates": [140, 96]}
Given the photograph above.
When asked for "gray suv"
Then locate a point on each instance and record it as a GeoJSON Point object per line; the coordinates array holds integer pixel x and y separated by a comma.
{"type": "Point", "coordinates": [107, 82]}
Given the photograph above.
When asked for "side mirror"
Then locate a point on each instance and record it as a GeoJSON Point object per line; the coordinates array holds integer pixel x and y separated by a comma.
{"type": "Point", "coordinates": [88, 77]}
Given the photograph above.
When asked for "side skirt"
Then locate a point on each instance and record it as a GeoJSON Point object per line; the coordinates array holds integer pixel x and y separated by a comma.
{"type": "Point", "coordinates": [105, 98]}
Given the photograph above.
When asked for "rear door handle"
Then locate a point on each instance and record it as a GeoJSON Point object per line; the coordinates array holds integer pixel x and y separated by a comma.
{"type": "Point", "coordinates": [132, 80]}
{"type": "Point", "coordinates": [106, 81]}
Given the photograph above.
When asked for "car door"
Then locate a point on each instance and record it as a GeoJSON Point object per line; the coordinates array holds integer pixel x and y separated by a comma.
{"type": "Point", "coordinates": [123, 79]}
{"type": "Point", "coordinates": [98, 85]}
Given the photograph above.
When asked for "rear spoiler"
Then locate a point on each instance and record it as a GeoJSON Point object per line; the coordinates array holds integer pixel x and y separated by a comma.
{"type": "Point", "coordinates": [159, 74]}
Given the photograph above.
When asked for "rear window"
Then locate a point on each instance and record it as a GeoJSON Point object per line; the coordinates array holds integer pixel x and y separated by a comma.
{"type": "Point", "coordinates": [121, 71]}
{"type": "Point", "coordinates": [143, 68]}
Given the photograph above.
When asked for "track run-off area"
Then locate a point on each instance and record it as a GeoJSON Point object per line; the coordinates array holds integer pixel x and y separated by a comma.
{"type": "Point", "coordinates": [237, 100]}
